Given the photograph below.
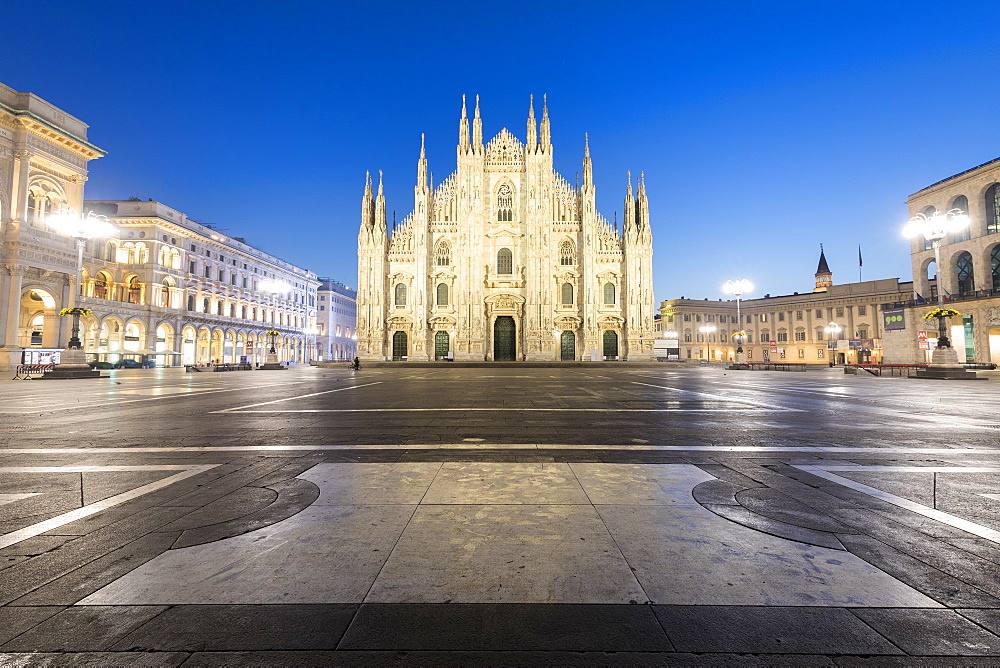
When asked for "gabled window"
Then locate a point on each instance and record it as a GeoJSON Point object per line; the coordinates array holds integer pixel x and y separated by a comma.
{"type": "Point", "coordinates": [566, 253]}
{"type": "Point", "coordinates": [505, 203]}
{"type": "Point", "coordinates": [442, 254]}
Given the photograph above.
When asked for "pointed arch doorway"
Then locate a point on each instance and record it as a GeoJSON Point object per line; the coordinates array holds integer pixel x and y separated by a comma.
{"type": "Point", "coordinates": [504, 339]}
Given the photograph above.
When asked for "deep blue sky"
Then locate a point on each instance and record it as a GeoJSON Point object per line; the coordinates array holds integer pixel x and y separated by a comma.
{"type": "Point", "coordinates": [764, 128]}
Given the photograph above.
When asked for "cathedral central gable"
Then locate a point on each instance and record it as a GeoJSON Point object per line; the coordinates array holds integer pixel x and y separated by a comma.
{"type": "Point", "coordinates": [504, 151]}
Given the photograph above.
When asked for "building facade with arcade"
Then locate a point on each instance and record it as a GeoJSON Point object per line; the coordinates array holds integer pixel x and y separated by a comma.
{"type": "Point", "coordinates": [161, 289]}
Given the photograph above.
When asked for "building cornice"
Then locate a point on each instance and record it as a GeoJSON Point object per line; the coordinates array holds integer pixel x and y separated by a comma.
{"type": "Point", "coordinates": [967, 174]}
{"type": "Point", "coordinates": [52, 132]}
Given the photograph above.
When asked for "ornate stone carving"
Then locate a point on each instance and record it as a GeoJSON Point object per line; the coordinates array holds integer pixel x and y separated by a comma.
{"type": "Point", "coordinates": [993, 316]}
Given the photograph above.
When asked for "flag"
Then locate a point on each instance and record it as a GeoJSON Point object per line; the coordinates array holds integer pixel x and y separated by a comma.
{"type": "Point", "coordinates": [920, 298]}
{"type": "Point", "coordinates": [860, 263]}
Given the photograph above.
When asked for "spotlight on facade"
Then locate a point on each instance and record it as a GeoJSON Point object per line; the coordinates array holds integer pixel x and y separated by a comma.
{"type": "Point", "coordinates": [708, 330]}
{"type": "Point", "coordinates": [73, 360]}
{"type": "Point", "coordinates": [274, 286]}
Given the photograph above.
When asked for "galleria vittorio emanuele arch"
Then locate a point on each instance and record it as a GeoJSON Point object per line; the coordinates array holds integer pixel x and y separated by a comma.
{"type": "Point", "coordinates": [505, 260]}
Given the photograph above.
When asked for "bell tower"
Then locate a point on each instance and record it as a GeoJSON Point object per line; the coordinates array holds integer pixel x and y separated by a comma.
{"type": "Point", "coordinates": [824, 277]}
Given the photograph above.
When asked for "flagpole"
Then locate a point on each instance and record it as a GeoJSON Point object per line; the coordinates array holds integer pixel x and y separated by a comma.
{"type": "Point", "coordinates": [860, 263]}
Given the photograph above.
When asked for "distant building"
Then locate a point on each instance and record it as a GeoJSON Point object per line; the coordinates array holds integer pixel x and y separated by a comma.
{"type": "Point", "coordinates": [505, 260]}
{"type": "Point", "coordinates": [794, 328]}
{"type": "Point", "coordinates": [180, 292]}
{"type": "Point", "coordinates": [336, 319]}
{"type": "Point", "coordinates": [969, 275]}
{"type": "Point", "coordinates": [163, 289]}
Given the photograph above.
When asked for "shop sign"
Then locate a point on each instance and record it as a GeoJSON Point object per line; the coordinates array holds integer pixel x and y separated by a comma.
{"type": "Point", "coordinates": [892, 319]}
{"type": "Point", "coordinates": [922, 343]}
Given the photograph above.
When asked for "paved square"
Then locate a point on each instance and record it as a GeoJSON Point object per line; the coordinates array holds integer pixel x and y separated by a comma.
{"type": "Point", "coordinates": [461, 515]}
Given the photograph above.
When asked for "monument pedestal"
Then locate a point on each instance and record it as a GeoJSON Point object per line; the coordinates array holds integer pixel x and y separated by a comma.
{"type": "Point", "coordinates": [72, 364]}
{"type": "Point", "coordinates": [945, 366]}
{"type": "Point", "coordinates": [271, 363]}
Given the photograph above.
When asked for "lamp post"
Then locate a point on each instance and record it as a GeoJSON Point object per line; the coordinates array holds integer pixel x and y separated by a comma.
{"type": "Point", "coordinates": [738, 288]}
{"type": "Point", "coordinates": [707, 330]}
{"type": "Point", "coordinates": [935, 227]}
{"type": "Point", "coordinates": [311, 342]}
{"type": "Point", "coordinates": [275, 287]}
{"type": "Point", "coordinates": [73, 360]}
{"type": "Point", "coordinates": [832, 330]}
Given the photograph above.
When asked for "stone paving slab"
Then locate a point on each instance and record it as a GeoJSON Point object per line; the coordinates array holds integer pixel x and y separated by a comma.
{"type": "Point", "coordinates": [520, 627]}
{"type": "Point", "coordinates": [771, 630]}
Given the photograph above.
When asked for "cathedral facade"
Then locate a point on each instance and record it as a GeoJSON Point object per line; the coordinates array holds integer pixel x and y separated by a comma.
{"type": "Point", "coordinates": [504, 260]}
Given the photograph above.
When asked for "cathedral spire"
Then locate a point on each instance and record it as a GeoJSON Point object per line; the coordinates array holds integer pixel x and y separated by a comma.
{"type": "Point", "coordinates": [463, 128]}
{"type": "Point", "coordinates": [379, 212]}
{"type": "Point", "coordinates": [422, 165]}
{"type": "Point", "coordinates": [588, 168]}
{"type": "Point", "coordinates": [367, 201]}
{"type": "Point", "coordinates": [477, 127]}
{"type": "Point", "coordinates": [367, 212]}
{"type": "Point", "coordinates": [532, 126]}
{"type": "Point", "coordinates": [642, 210]}
{"type": "Point", "coordinates": [546, 140]}
{"type": "Point", "coordinates": [628, 223]}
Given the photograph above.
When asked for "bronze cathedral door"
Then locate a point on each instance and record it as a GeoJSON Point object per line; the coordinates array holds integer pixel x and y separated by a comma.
{"type": "Point", "coordinates": [504, 339]}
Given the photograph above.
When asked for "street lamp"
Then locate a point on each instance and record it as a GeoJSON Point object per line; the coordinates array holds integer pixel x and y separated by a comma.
{"type": "Point", "coordinates": [73, 360]}
{"type": "Point", "coordinates": [707, 330]}
{"type": "Point", "coordinates": [311, 342]}
{"type": "Point", "coordinates": [832, 331]}
{"type": "Point", "coordinates": [738, 288]}
{"type": "Point", "coordinates": [934, 228]}
{"type": "Point", "coordinates": [275, 287]}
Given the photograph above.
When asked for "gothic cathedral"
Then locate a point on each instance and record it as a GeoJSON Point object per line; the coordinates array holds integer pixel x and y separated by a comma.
{"type": "Point", "coordinates": [505, 260]}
